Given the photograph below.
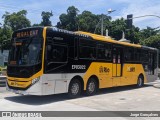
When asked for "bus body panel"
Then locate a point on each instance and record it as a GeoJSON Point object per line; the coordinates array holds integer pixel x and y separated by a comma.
{"type": "Point", "coordinates": [59, 83]}
{"type": "Point", "coordinates": [35, 89]}
{"type": "Point", "coordinates": [110, 73]}
{"type": "Point", "coordinates": [47, 85]}
{"type": "Point", "coordinates": [106, 76]}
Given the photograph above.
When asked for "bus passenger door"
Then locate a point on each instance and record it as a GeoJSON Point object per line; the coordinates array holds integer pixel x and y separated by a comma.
{"type": "Point", "coordinates": [117, 65]}
{"type": "Point", "coordinates": [152, 65]}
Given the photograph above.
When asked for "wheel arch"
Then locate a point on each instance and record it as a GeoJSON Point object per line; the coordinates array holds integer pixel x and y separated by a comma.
{"type": "Point", "coordinates": [140, 82]}
{"type": "Point", "coordinates": [80, 79]}
{"type": "Point", "coordinates": [141, 74]}
{"type": "Point", "coordinates": [96, 78]}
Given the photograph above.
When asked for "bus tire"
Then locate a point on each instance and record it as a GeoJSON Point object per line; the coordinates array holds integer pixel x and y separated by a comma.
{"type": "Point", "coordinates": [92, 86]}
{"type": "Point", "coordinates": [140, 81]}
{"type": "Point", "coordinates": [74, 90]}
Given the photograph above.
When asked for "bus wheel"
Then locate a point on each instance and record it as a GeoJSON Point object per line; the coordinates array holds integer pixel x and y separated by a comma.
{"type": "Point", "coordinates": [74, 90]}
{"type": "Point", "coordinates": [92, 87]}
{"type": "Point", "coordinates": [140, 81]}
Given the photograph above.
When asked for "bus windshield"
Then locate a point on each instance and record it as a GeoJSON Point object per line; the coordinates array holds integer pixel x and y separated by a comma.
{"type": "Point", "coordinates": [26, 51]}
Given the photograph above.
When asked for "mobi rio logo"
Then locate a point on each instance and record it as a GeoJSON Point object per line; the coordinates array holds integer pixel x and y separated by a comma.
{"type": "Point", "coordinates": [104, 69]}
{"type": "Point", "coordinates": [131, 69]}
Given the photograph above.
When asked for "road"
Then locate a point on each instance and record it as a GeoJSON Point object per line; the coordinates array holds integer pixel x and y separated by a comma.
{"type": "Point", "coordinates": [128, 98]}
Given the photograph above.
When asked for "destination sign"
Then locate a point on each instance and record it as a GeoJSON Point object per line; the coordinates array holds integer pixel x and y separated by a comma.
{"type": "Point", "coordinates": [17, 43]}
{"type": "Point", "coordinates": [29, 33]}
{"type": "Point", "coordinates": [13, 62]}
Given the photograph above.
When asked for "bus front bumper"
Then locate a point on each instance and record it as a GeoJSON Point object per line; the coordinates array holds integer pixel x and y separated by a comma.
{"type": "Point", "coordinates": [35, 89]}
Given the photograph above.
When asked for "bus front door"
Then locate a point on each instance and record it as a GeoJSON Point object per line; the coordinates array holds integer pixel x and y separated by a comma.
{"type": "Point", "coordinates": [117, 65]}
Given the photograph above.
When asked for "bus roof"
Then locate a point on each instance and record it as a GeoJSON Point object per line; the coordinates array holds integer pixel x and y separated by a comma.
{"type": "Point", "coordinates": [108, 39]}
{"type": "Point", "coordinates": [94, 36]}
{"type": "Point", "coordinates": [102, 38]}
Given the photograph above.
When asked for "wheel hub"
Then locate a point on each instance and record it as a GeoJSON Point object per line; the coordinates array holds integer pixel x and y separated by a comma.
{"type": "Point", "coordinates": [75, 88]}
{"type": "Point", "coordinates": [91, 87]}
{"type": "Point", "coordinates": [140, 82]}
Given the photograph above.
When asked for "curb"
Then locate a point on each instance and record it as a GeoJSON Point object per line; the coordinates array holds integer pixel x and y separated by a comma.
{"type": "Point", "coordinates": [156, 85]}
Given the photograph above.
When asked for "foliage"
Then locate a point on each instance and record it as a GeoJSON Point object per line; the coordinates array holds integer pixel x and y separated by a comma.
{"type": "Point", "coordinates": [5, 35]}
{"type": "Point", "coordinates": [34, 25]}
{"type": "Point", "coordinates": [85, 21]}
{"type": "Point", "coordinates": [69, 21]}
{"type": "Point", "coordinates": [116, 28]}
{"type": "Point", "coordinates": [16, 20]}
{"type": "Point", "coordinates": [46, 19]}
{"type": "Point", "coordinates": [133, 35]}
{"type": "Point", "coordinates": [146, 33]}
{"type": "Point", "coordinates": [153, 41]}
{"type": "Point", "coordinates": [89, 22]}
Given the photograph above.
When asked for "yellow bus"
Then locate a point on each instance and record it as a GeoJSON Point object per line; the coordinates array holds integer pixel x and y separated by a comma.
{"type": "Point", "coordinates": [48, 60]}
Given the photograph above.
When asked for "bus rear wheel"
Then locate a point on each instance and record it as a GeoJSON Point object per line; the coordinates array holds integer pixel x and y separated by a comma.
{"type": "Point", "coordinates": [74, 90]}
{"type": "Point", "coordinates": [140, 81]}
{"type": "Point", "coordinates": [92, 87]}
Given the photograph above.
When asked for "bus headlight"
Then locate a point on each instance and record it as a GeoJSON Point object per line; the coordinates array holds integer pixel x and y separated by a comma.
{"type": "Point", "coordinates": [35, 80]}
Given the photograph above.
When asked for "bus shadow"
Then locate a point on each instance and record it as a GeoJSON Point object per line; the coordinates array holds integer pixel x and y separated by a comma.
{"type": "Point", "coordinates": [37, 100]}
{"type": "Point", "coordinates": [40, 100]}
{"type": "Point", "coordinates": [119, 89]}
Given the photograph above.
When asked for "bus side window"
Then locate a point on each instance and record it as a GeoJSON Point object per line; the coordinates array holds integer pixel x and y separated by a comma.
{"type": "Point", "coordinates": [104, 51]}
{"type": "Point", "coordinates": [126, 57]}
{"type": "Point", "coordinates": [87, 53]}
{"type": "Point", "coordinates": [129, 54]}
{"type": "Point", "coordinates": [137, 54]}
{"type": "Point", "coordinates": [57, 53]}
{"type": "Point", "coordinates": [87, 49]}
{"type": "Point", "coordinates": [108, 51]}
{"type": "Point", "coordinates": [108, 54]}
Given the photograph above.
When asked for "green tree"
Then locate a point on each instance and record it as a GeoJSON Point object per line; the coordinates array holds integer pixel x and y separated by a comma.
{"type": "Point", "coordinates": [133, 34]}
{"type": "Point", "coordinates": [87, 21]}
{"type": "Point", "coordinates": [116, 28]}
{"type": "Point", "coordinates": [146, 33]}
{"type": "Point", "coordinates": [34, 25]}
{"type": "Point", "coordinates": [69, 21]}
{"type": "Point", "coordinates": [46, 19]}
{"type": "Point", "coordinates": [16, 20]}
{"type": "Point", "coordinates": [106, 23]}
{"type": "Point", "coordinates": [90, 22]}
{"type": "Point", "coordinates": [153, 41]}
{"type": "Point", "coordinates": [5, 36]}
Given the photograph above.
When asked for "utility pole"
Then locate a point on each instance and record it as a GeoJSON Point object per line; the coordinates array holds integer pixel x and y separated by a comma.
{"type": "Point", "coordinates": [102, 21]}
{"type": "Point", "coordinates": [102, 24]}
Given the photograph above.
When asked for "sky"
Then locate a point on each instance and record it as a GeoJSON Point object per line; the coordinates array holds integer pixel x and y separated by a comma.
{"type": "Point", "coordinates": [122, 7]}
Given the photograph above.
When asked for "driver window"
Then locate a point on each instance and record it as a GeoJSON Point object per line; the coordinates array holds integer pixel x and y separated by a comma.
{"type": "Point", "coordinates": [56, 53]}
